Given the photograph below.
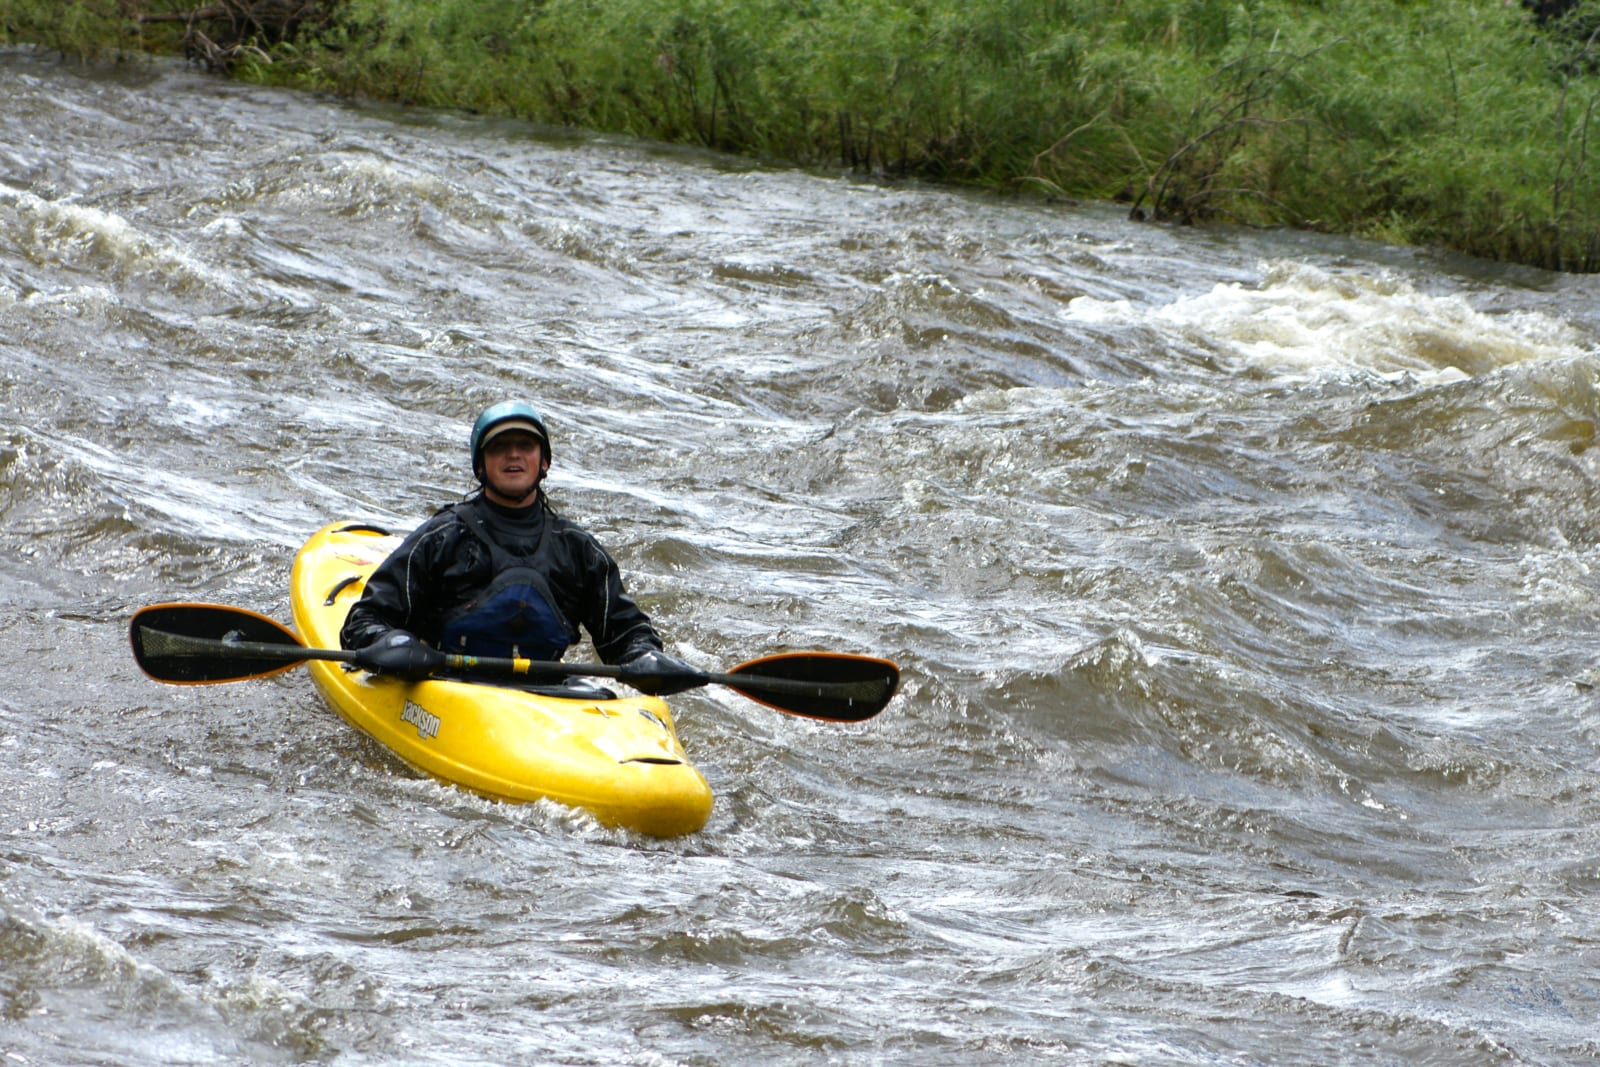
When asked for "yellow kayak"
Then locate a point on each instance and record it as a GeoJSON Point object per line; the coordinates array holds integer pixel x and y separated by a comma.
{"type": "Point", "coordinates": [617, 758]}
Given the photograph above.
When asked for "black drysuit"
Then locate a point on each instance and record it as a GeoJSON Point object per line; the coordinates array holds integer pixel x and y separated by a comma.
{"type": "Point", "coordinates": [442, 571]}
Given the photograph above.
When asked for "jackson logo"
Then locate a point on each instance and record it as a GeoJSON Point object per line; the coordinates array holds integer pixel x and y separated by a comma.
{"type": "Point", "coordinates": [427, 723]}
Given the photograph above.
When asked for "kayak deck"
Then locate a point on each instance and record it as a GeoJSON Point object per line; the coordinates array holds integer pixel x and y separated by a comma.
{"type": "Point", "coordinates": [617, 758]}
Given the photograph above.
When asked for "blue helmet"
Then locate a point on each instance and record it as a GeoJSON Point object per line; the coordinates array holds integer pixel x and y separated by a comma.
{"type": "Point", "coordinates": [507, 415]}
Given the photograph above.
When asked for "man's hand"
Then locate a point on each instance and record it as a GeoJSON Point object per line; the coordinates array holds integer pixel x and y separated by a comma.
{"type": "Point", "coordinates": [661, 675]}
{"type": "Point", "coordinates": [402, 655]}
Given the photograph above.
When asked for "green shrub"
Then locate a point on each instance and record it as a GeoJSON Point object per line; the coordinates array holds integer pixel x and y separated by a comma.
{"type": "Point", "coordinates": [1464, 123]}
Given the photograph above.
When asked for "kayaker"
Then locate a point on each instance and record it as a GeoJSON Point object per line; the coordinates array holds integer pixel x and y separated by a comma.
{"type": "Point", "coordinates": [502, 574]}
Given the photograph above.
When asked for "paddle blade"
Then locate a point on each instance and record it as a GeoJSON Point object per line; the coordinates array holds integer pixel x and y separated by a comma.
{"type": "Point", "coordinates": [819, 685]}
{"type": "Point", "coordinates": [191, 644]}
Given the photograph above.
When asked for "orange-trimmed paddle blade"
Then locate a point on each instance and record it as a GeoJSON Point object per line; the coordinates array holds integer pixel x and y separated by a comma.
{"type": "Point", "coordinates": [833, 686]}
{"type": "Point", "coordinates": [202, 644]}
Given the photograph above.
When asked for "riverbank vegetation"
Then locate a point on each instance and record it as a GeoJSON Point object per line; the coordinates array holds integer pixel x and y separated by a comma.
{"type": "Point", "coordinates": [1467, 124]}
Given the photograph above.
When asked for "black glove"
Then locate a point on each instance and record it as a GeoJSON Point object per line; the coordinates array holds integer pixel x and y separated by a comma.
{"type": "Point", "coordinates": [401, 654]}
{"type": "Point", "coordinates": [661, 675]}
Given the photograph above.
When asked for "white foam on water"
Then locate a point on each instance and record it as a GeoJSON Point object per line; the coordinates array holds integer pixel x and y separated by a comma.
{"type": "Point", "coordinates": [67, 229]}
{"type": "Point", "coordinates": [1305, 321]}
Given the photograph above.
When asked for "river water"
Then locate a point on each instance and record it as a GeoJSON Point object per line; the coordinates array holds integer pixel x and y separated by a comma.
{"type": "Point", "coordinates": [1243, 586]}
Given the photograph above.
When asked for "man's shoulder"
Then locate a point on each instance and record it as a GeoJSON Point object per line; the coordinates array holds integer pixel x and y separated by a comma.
{"type": "Point", "coordinates": [445, 514]}
{"type": "Point", "coordinates": [579, 542]}
{"type": "Point", "coordinates": [441, 525]}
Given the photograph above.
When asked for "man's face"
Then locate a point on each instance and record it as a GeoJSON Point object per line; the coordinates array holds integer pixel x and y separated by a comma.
{"type": "Point", "coordinates": [513, 463]}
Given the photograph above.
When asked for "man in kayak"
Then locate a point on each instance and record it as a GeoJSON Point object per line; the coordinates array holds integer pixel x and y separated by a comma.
{"type": "Point", "coordinates": [501, 574]}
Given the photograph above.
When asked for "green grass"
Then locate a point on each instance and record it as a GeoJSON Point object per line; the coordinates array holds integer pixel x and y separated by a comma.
{"type": "Point", "coordinates": [1443, 122]}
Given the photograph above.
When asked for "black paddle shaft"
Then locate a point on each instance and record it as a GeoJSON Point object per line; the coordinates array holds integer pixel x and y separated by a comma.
{"type": "Point", "coordinates": [197, 644]}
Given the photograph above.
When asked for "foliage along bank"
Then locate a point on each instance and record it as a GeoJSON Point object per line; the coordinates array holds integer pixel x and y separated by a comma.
{"type": "Point", "coordinates": [1466, 124]}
